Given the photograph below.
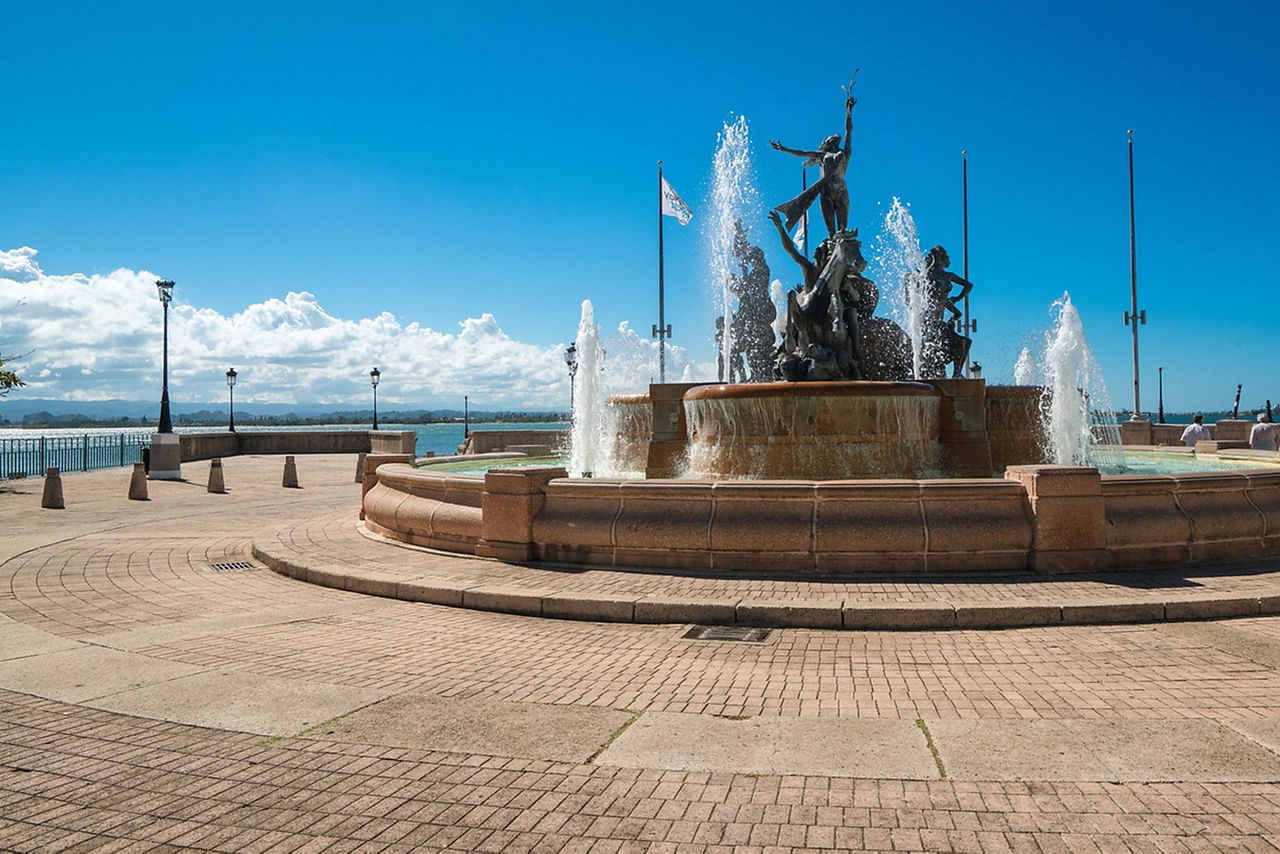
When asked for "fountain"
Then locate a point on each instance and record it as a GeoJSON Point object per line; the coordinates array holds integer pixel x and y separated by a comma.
{"type": "Point", "coordinates": [814, 431]}
{"type": "Point", "coordinates": [902, 265]}
{"type": "Point", "coordinates": [860, 455]}
{"type": "Point", "coordinates": [1074, 395]}
{"type": "Point", "coordinates": [921, 294]}
{"type": "Point", "coordinates": [737, 268]}
{"type": "Point", "coordinates": [1024, 371]}
{"type": "Point", "coordinates": [588, 448]}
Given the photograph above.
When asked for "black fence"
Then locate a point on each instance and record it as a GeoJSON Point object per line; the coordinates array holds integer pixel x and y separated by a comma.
{"type": "Point", "coordinates": [31, 457]}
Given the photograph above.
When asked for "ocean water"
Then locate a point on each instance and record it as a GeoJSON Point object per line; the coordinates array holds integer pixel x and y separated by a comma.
{"type": "Point", "coordinates": [440, 439]}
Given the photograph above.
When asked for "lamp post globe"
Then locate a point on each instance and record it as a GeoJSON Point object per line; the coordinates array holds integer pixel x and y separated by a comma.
{"type": "Point", "coordinates": [231, 391]}
{"type": "Point", "coordinates": [373, 381]}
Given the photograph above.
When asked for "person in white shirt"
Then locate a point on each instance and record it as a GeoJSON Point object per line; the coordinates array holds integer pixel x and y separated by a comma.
{"type": "Point", "coordinates": [1195, 432]}
{"type": "Point", "coordinates": [1264, 436]}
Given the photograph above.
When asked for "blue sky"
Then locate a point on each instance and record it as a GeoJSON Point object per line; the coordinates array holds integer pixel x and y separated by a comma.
{"type": "Point", "coordinates": [415, 167]}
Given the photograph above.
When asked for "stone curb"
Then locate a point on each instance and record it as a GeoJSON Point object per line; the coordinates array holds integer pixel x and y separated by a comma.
{"type": "Point", "coordinates": [798, 612]}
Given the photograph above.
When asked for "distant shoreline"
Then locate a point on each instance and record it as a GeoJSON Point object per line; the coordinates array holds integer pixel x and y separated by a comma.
{"type": "Point", "coordinates": [71, 422]}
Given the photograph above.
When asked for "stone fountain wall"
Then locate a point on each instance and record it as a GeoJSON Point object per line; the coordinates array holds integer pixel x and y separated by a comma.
{"type": "Point", "coordinates": [1039, 518]}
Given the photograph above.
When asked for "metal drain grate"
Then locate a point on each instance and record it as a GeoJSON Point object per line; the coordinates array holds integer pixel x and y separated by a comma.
{"type": "Point", "coordinates": [233, 566]}
{"type": "Point", "coordinates": [727, 633]}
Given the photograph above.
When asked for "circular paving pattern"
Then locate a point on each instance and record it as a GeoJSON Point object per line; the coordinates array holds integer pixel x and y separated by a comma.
{"type": "Point", "coordinates": [153, 699]}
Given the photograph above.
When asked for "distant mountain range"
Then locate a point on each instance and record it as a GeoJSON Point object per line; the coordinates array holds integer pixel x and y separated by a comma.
{"type": "Point", "coordinates": [70, 413]}
{"type": "Point", "coordinates": [19, 412]}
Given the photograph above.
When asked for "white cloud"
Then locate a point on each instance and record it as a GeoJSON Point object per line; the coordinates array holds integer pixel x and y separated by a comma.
{"type": "Point", "coordinates": [99, 337]}
{"type": "Point", "coordinates": [19, 265]}
{"type": "Point", "coordinates": [631, 362]}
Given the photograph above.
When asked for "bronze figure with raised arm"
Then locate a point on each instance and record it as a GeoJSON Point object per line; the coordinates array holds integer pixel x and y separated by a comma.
{"type": "Point", "coordinates": [830, 187]}
{"type": "Point", "coordinates": [809, 270]}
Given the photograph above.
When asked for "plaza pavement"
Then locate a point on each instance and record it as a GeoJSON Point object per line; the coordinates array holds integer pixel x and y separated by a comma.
{"type": "Point", "coordinates": [150, 701]}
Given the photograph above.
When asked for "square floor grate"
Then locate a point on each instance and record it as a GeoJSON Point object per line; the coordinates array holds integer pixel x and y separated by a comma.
{"type": "Point", "coordinates": [234, 566]}
{"type": "Point", "coordinates": [728, 633]}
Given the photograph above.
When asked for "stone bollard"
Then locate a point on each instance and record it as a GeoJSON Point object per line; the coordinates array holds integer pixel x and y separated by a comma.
{"type": "Point", "coordinates": [138, 483]}
{"type": "Point", "coordinates": [360, 468]}
{"type": "Point", "coordinates": [52, 498]}
{"type": "Point", "coordinates": [290, 472]}
{"type": "Point", "coordinates": [216, 483]}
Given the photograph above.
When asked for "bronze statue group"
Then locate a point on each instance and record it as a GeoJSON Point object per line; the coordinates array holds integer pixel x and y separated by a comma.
{"type": "Point", "coordinates": [830, 330]}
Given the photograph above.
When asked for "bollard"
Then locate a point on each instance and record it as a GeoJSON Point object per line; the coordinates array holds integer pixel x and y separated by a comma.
{"type": "Point", "coordinates": [216, 483]}
{"type": "Point", "coordinates": [360, 468]}
{"type": "Point", "coordinates": [52, 498]}
{"type": "Point", "coordinates": [290, 473]}
{"type": "Point", "coordinates": [138, 483]}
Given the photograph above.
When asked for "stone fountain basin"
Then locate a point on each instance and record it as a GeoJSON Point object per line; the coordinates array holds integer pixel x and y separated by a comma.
{"type": "Point", "coordinates": [814, 430]}
{"type": "Point", "coordinates": [1037, 518]}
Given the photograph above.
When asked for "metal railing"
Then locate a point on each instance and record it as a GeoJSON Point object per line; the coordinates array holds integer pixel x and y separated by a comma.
{"type": "Point", "coordinates": [31, 457]}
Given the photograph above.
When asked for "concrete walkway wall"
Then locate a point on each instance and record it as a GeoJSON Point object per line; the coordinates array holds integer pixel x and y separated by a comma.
{"type": "Point", "coordinates": [491, 441]}
{"type": "Point", "coordinates": [1145, 432]}
{"type": "Point", "coordinates": [203, 446]}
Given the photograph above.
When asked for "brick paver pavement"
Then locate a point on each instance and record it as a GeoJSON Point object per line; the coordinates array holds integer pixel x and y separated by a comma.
{"type": "Point", "coordinates": [112, 575]}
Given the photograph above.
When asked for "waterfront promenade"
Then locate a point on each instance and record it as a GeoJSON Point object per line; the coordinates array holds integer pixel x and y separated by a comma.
{"type": "Point", "coordinates": [161, 689]}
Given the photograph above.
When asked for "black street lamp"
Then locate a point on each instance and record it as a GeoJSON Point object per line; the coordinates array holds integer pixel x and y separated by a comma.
{"type": "Point", "coordinates": [373, 380]}
{"type": "Point", "coordinates": [1160, 414]}
{"type": "Point", "coordinates": [165, 289]}
{"type": "Point", "coordinates": [231, 390]}
{"type": "Point", "coordinates": [571, 359]}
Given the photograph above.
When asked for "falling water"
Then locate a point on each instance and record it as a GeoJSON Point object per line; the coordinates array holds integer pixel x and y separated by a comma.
{"type": "Point", "coordinates": [1024, 372]}
{"type": "Point", "coordinates": [867, 435]}
{"type": "Point", "coordinates": [1076, 405]}
{"type": "Point", "coordinates": [778, 293]}
{"type": "Point", "coordinates": [901, 274]}
{"type": "Point", "coordinates": [587, 443]}
{"type": "Point", "coordinates": [733, 199]}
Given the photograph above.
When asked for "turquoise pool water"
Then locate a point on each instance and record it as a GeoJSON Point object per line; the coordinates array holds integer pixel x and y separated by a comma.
{"type": "Point", "coordinates": [1135, 462]}
{"type": "Point", "coordinates": [482, 466]}
{"type": "Point", "coordinates": [1154, 462]}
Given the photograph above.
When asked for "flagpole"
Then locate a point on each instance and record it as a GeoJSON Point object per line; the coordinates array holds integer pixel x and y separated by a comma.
{"type": "Point", "coordinates": [964, 155]}
{"type": "Point", "coordinates": [1137, 316]}
{"type": "Point", "coordinates": [661, 329]}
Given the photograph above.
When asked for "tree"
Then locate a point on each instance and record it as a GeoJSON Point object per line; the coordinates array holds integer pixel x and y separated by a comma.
{"type": "Point", "coordinates": [8, 379]}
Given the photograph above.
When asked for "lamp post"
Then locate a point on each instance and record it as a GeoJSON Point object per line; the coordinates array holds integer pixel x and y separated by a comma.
{"type": "Point", "coordinates": [373, 381]}
{"type": "Point", "coordinates": [1160, 410]}
{"type": "Point", "coordinates": [231, 391]}
{"type": "Point", "coordinates": [571, 359]}
{"type": "Point", "coordinates": [165, 288]}
{"type": "Point", "coordinates": [164, 460]}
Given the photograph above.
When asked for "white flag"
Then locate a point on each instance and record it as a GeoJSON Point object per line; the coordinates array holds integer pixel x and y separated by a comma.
{"type": "Point", "coordinates": [673, 205]}
{"type": "Point", "coordinates": [798, 237]}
